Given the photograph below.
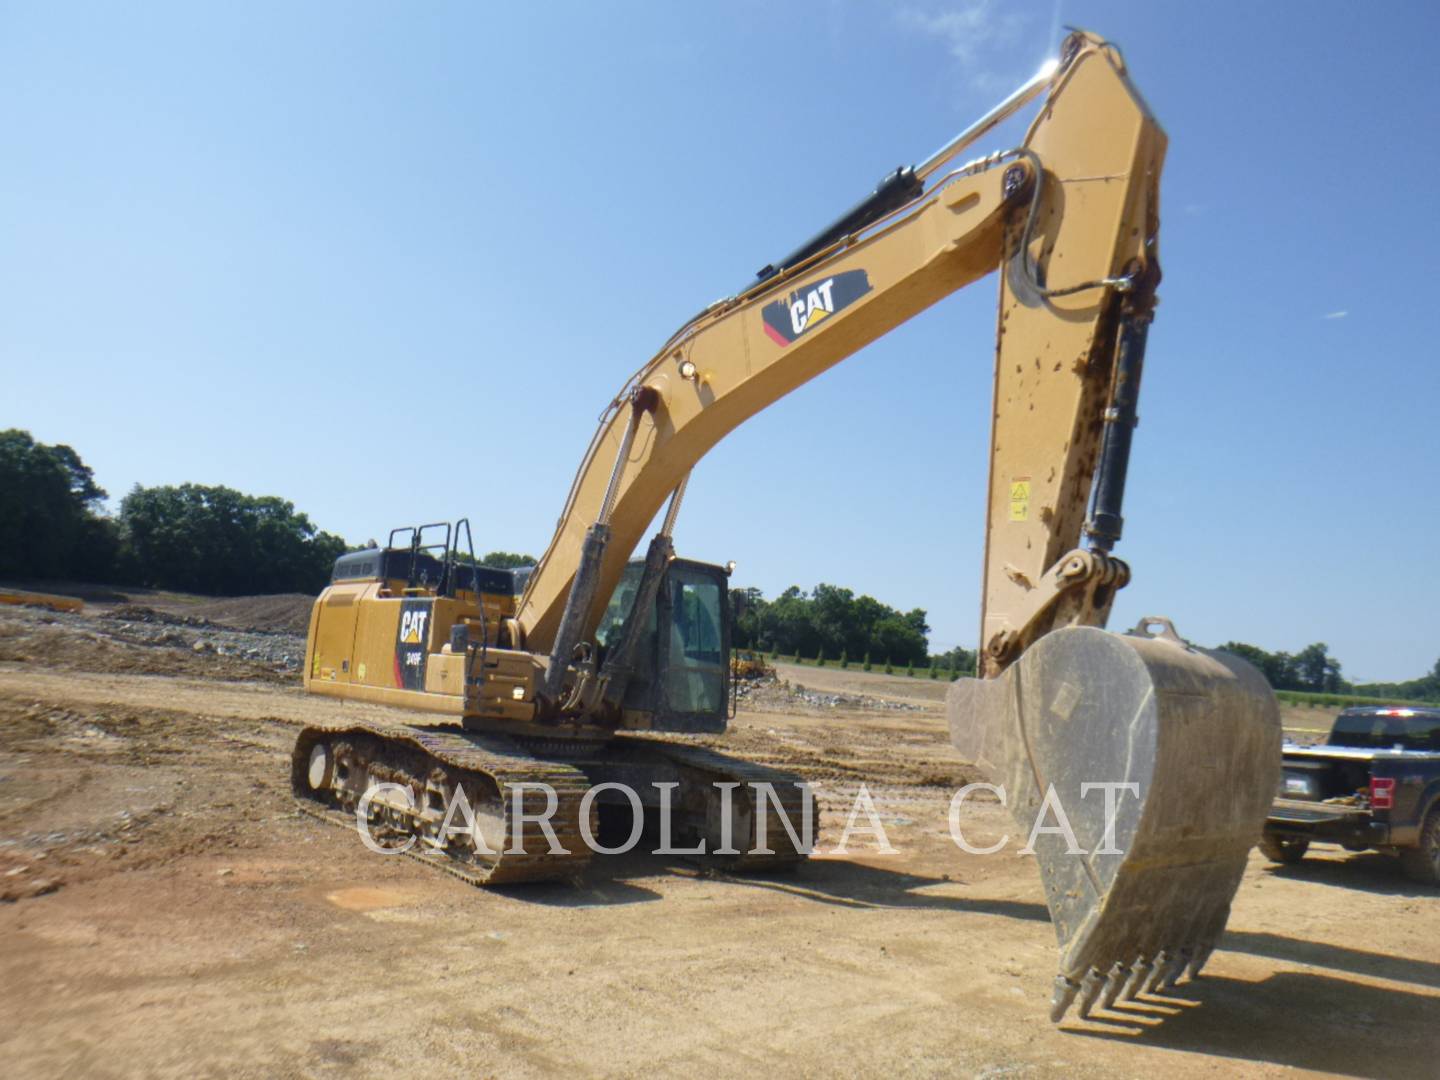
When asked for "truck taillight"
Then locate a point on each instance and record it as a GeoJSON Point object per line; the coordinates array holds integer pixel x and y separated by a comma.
{"type": "Point", "coordinates": [1382, 792]}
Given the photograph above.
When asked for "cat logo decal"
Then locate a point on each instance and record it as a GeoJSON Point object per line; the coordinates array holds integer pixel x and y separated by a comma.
{"type": "Point", "coordinates": [809, 305]}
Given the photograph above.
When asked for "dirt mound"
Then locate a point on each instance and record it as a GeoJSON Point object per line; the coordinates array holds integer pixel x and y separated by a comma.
{"type": "Point", "coordinates": [91, 594]}
{"type": "Point", "coordinates": [277, 612]}
{"type": "Point", "coordinates": [284, 612]}
{"type": "Point", "coordinates": [78, 644]}
{"type": "Point", "coordinates": [141, 613]}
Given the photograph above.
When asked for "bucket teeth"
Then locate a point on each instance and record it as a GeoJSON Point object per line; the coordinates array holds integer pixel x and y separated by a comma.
{"type": "Point", "coordinates": [1197, 962]}
{"type": "Point", "coordinates": [1177, 968]}
{"type": "Point", "coordinates": [1139, 974]}
{"type": "Point", "coordinates": [1160, 969]}
{"type": "Point", "coordinates": [1090, 988]}
{"type": "Point", "coordinates": [1119, 976]}
{"type": "Point", "coordinates": [1065, 991]}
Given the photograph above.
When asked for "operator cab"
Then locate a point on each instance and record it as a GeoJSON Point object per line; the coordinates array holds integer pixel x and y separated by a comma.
{"type": "Point", "coordinates": [681, 680]}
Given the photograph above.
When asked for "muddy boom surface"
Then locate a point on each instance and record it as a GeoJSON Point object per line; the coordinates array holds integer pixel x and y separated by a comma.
{"type": "Point", "coordinates": [472, 804]}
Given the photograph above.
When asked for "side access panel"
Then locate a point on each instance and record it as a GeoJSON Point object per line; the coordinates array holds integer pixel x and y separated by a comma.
{"type": "Point", "coordinates": [331, 642]}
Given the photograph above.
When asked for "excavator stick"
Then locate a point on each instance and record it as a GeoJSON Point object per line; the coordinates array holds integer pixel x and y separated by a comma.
{"type": "Point", "coordinates": [1141, 769]}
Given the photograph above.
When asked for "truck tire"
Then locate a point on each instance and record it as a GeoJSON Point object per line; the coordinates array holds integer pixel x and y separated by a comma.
{"type": "Point", "coordinates": [1282, 849]}
{"type": "Point", "coordinates": [1422, 862]}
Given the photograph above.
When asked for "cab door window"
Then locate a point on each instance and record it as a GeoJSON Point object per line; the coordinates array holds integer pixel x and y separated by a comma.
{"type": "Point", "coordinates": [695, 669]}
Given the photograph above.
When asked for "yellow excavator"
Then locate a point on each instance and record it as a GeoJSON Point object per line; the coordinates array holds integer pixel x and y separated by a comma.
{"type": "Point", "coordinates": [1162, 756]}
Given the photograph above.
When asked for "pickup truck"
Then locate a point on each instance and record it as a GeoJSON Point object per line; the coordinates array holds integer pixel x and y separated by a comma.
{"type": "Point", "coordinates": [1373, 784]}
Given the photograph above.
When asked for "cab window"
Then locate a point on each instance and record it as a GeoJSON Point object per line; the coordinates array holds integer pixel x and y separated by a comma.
{"type": "Point", "coordinates": [613, 621]}
{"type": "Point", "coordinates": [695, 668]}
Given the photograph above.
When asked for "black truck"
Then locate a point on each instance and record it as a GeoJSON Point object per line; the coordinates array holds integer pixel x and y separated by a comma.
{"type": "Point", "coordinates": [1373, 784]}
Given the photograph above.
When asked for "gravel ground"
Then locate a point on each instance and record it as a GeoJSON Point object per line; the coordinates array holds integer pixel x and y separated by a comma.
{"type": "Point", "coordinates": [142, 625]}
{"type": "Point", "coordinates": [172, 915]}
{"type": "Point", "coordinates": [782, 694]}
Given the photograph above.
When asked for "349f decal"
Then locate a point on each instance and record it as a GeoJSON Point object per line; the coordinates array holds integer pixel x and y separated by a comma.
{"type": "Point", "coordinates": [786, 320]}
{"type": "Point", "coordinates": [410, 638]}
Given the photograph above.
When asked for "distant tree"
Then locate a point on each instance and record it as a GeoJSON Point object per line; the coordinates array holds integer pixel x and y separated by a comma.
{"type": "Point", "coordinates": [1425, 688]}
{"type": "Point", "coordinates": [1317, 670]}
{"type": "Point", "coordinates": [787, 621]}
{"type": "Point", "coordinates": [867, 661]}
{"type": "Point", "coordinates": [889, 667]}
{"type": "Point", "coordinates": [896, 637]}
{"type": "Point", "coordinates": [507, 560]}
{"type": "Point", "coordinates": [820, 657]}
{"type": "Point", "coordinates": [1311, 669]}
{"type": "Point", "coordinates": [50, 524]}
{"type": "Point", "coordinates": [953, 660]}
{"type": "Point", "coordinates": [844, 659]}
{"type": "Point", "coordinates": [830, 615]}
{"type": "Point", "coordinates": [910, 670]}
{"type": "Point", "coordinates": [830, 618]}
{"type": "Point", "coordinates": [221, 541]}
{"type": "Point", "coordinates": [746, 606]}
{"type": "Point", "coordinates": [1278, 668]}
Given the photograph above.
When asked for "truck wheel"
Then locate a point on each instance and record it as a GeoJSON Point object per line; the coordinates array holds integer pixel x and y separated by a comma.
{"type": "Point", "coordinates": [1283, 849]}
{"type": "Point", "coordinates": [1422, 862]}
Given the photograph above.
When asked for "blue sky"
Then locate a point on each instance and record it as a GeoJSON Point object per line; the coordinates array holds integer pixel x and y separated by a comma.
{"type": "Point", "coordinates": [358, 255]}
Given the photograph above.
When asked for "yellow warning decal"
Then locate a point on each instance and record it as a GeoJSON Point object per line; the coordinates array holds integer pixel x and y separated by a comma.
{"type": "Point", "coordinates": [360, 671]}
{"type": "Point", "coordinates": [1020, 499]}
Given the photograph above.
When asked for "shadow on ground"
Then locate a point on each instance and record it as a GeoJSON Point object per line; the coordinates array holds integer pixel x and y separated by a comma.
{"type": "Point", "coordinates": [858, 885]}
{"type": "Point", "coordinates": [1337, 958]}
{"type": "Point", "coordinates": [1371, 1031]}
{"type": "Point", "coordinates": [619, 879]}
{"type": "Point", "coordinates": [1366, 871]}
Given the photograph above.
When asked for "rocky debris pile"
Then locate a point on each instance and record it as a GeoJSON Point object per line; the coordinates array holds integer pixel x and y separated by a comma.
{"type": "Point", "coordinates": [133, 613]}
{"type": "Point", "coordinates": [21, 879]}
{"type": "Point", "coordinates": [142, 641]}
{"type": "Point", "coordinates": [139, 625]}
{"type": "Point", "coordinates": [779, 693]}
{"type": "Point", "coordinates": [285, 612]}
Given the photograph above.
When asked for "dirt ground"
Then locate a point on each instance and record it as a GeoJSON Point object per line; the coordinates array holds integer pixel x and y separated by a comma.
{"type": "Point", "coordinates": [170, 914]}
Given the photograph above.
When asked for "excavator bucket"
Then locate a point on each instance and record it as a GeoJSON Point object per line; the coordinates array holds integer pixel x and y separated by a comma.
{"type": "Point", "coordinates": [1141, 896]}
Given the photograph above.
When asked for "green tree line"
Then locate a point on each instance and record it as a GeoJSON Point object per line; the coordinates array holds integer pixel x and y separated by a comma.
{"type": "Point", "coordinates": [190, 537]}
{"type": "Point", "coordinates": [1314, 670]}
{"type": "Point", "coordinates": [1425, 688]}
{"type": "Point", "coordinates": [216, 540]}
{"type": "Point", "coordinates": [833, 623]}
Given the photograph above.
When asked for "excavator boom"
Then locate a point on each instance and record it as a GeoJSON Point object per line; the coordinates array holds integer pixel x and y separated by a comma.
{"type": "Point", "coordinates": [1072, 218]}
